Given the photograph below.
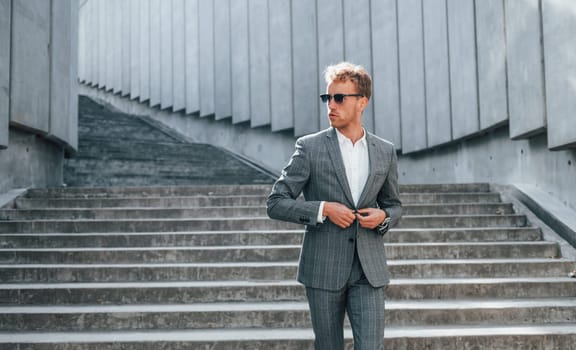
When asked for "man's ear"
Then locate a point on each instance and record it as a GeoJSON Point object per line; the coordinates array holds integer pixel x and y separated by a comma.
{"type": "Point", "coordinates": [364, 101]}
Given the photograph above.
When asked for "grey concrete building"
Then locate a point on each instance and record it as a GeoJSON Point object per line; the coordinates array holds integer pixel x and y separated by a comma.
{"type": "Point", "coordinates": [38, 91]}
{"type": "Point", "coordinates": [468, 91]}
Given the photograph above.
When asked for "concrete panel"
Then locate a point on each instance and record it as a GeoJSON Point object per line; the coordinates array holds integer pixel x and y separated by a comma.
{"type": "Point", "coordinates": [281, 88]}
{"type": "Point", "coordinates": [155, 49]}
{"type": "Point", "coordinates": [144, 50]}
{"type": "Point", "coordinates": [135, 44]}
{"type": "Point", "coordinates": [96, 42]}
{"type": "Point", "coordinates": [463, 79]}
{"type": "Point", "coordinates": [192, 57]}
{"type": "Point", "coordinates": [178, 56]}
{"type": "Point", "coordinates": [116, 40]}
{"type": "Point", "coordinates": [526, 103]}
{"type": "Point", "coordinates": [5, 30]}
{"type": "Point", "coordinates": [102, 41]}
{"type": "Point", "coordinates": [385, 85]}
{"type": "Point", "coordinates": [491, 48]}
{"type": "Point", "coordinates": [357, 44]}
{"type": "Point", "coordinates": [222, 71]}
{"type": "Point", "coordinates": [206, 22]}
{"type": "Point", "coordinates": [108, 7]}
{"type": "Point", "coordinates": [330, 44]}
{"type": "Point", "coordinates": [30, 162]}
{"type": "Point", "coordinates": [126, 52]}
{"type": "Point", "coordinates": [412, 83]}
{"type": "Point", "coordinates": [559, 30]}
{"type": "Point", "coordinates": [240, 61]}
{"type": "Point", "coordinates": [259, 63]}
{"type": "Point", "coordinates": [60, 79]}
{"type": "Point", "coordinates": [30, 69]}
{"type": "Point", "coordinates": [82, 47]}
{"type": "Point", "coordinates": [166, 62]}
{"type": "Point", "coordinates": [306, 100]}
{"type": "Point", "coordinates": [90, 35]}
{"type": "Point", "coordinates": [437, 72]}
{"type": "Point", "coordinates": [72, 138]}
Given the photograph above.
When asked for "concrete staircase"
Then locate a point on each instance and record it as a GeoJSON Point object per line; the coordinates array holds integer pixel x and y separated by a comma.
{"type": "Point", "coordinates": [201, 267]}
{"type": "Point", "coordinates": [118, 149]}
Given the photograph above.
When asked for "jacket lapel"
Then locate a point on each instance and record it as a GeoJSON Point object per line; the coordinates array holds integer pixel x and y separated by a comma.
{"type": "Point", "coordinates": [336, 157]}
{"type": "Point", "coordinates": [378, 164]}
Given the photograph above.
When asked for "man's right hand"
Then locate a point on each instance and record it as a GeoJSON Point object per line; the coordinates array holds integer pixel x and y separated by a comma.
{"type": "Point", "coordinates": [339, 214]}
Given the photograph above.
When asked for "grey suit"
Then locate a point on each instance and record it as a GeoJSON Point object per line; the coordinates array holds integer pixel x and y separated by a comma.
{"type": "Point", "coordinates": [329, 252]}
{"type": "Point", "coordinates": [316, 170]}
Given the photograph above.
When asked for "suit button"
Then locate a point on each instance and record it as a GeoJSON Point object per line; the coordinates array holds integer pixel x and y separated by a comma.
{"type": "Point", "coordinates": [351, 240]}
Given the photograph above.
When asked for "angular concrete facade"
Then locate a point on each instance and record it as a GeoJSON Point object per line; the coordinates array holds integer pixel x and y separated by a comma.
{"type": "Point", "coordinates": [38, 90]}
{"type": "Point", "coordinates": [447, 74]}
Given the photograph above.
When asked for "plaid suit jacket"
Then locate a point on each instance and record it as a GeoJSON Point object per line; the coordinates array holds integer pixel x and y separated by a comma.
{"type": "Point", "coordinates": [317, 171]}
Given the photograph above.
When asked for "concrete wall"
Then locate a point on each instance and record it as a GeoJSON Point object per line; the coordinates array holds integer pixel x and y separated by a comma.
{"type": "Point", "coordinates": [38, 90]}
{"type": "Point", "coordinates": [5, 25]}
{"type": "Point", "coordinates": [446, 73]}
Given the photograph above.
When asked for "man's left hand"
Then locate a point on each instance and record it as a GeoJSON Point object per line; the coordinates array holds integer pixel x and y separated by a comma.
{"type": "Point", "coordinates": [370, 217]}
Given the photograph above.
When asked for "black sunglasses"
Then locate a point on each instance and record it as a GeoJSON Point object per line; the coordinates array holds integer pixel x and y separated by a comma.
{"type": "Point", "coordinates": [338, 98]}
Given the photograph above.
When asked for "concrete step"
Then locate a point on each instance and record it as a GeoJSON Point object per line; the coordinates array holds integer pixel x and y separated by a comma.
{"type": "Point", "coordinates": [469, 234]}
{"type": "Point", "coordinates": [214, 200]}
{"type": "Point", "coordinates": [148, 191]}
{"type": "Point", "coordinates": [120, 127]}
{"type": "Point", "coordinates": [279, 315]}
{"type": "Point", "coordinates": [270, 253]}
{"type": "Point", "coordinates": [158, 239]}
{"type": "Point", "coordinates": [513, 337]}
{"type": "Point", "coordinates": [132, 272]}
{"type": "Point", "coordinates": [455, 197]}
{"type": "Point", "coordinates": [144, 225]}
{"type": "Point", "coordinates": [438, 188]}
{"type": "Point", "coordinates": [186, 292]}
{"type": "Point", "coordinates": [238, 223]}
{"type": "Point", "coordinates": [133, 213]}
{"type": "Point", "coordinates": [262, 237]}
{"type": "Point", "coordinates": [142, 202]}
{"type": "Point", "coordinates": [432, 338]}
{"type": "Point", "coordinates": [427, 191]}
{"type": "Point", "coordinates": [227, 211]}
{"type": "Point", "coordinates": [196, 168]}
{"type": "Point", "coordinates": [124, 172]}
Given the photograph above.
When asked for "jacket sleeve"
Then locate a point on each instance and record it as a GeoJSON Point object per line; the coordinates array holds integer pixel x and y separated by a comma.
{"type": "Point", "coordinates": [283, 202]}
{"type": "Point", "coordinates": [389, 195]}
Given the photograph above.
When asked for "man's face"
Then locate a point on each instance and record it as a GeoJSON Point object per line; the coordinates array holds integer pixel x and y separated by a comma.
{"type": "Point", "coordinates": [349, 112]}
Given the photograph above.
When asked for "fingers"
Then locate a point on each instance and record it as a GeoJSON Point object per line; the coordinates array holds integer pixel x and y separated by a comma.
{"type": "Point", "coordinates": [339, 214]}
{"type": "Point", "coordinates": [343, 217]}
{"type": "Point", "coordinates": [370, 217]}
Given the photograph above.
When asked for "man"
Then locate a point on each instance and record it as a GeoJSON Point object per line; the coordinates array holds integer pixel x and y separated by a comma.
{"type": "Point", "coordinates": [349, 179]}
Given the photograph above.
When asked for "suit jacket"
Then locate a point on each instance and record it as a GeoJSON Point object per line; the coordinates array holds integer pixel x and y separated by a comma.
{"type": "Point", "coordinates": [317, 171]}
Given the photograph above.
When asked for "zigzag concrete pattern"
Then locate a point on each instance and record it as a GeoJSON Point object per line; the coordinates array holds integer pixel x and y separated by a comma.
{"type": "Point", "coordinates": [140, 268]}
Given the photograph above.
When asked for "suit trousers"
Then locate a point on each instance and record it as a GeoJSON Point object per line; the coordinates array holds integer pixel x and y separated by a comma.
{"type": "Point", "coordinates": [364, 305]}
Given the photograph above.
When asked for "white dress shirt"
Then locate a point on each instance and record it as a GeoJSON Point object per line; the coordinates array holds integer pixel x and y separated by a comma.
{"type": "Point", "coordinates": [357, 164]}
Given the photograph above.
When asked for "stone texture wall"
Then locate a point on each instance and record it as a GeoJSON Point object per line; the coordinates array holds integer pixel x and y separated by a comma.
{"type": "Point", "coordinates": [38, 90]}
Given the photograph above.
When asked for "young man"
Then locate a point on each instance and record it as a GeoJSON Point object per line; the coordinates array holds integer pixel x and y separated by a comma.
{"type": "Point", "coordinates": [349, 179]}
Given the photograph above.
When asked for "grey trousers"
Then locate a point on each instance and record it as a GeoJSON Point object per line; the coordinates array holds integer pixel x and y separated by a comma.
{"type": "Point", "coordinates": [364, 305]}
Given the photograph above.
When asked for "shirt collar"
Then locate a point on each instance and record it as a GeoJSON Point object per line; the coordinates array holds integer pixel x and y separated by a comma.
{"type": "Point", "coordinates": [342, 139]}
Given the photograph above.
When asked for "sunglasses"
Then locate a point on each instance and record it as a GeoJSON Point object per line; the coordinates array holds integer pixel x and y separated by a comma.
{"type": "Point", "coordinates": [338, 98]}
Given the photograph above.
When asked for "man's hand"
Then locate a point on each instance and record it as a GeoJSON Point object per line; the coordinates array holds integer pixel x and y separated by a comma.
{"type": "Point", "coordinates": [339, 214]}
{"type": "Point", "coordinates": [370, 217]}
